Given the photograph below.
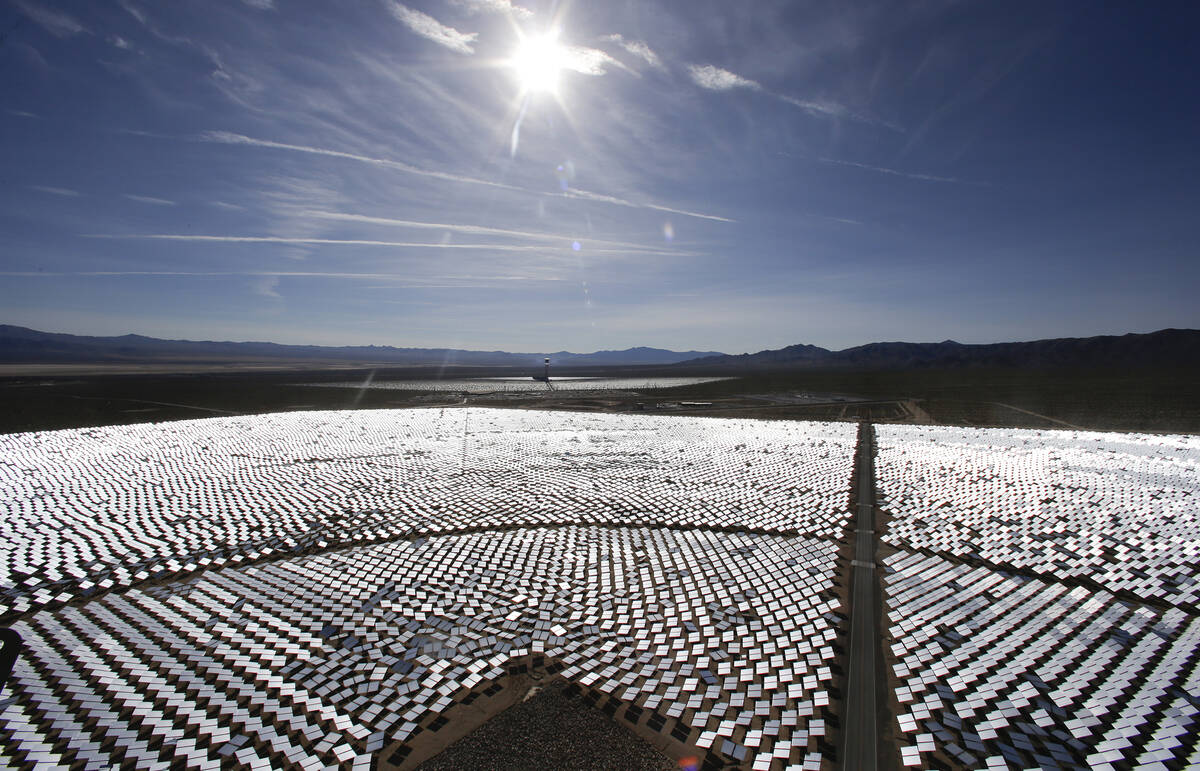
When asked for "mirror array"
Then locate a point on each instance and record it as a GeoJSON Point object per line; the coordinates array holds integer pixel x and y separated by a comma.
{"type": "Point", "coordinates": [1042, 604]}
{"type": "Point", "coordinates": [320, 661]}
{"type": "Point", "coordinates": [1000, 670]}
{"type": "Point", "coordinates": [1121, 511]}
{"type": "Point", "coordinates": [91, 510]}
{"type": "Point", "coordinates": [401, 562]}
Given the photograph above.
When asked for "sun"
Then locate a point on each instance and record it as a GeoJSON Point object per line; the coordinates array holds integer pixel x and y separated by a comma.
{"type": "Point", "coordinates": [538, 62]}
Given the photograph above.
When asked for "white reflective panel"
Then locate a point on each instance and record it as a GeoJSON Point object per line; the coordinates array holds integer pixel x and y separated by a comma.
{"type": "Point", "coordinates": [1070, 675]}
{"type": "Point", "coordinates": [1119, 510]}
{"type": "Point", "coordinates": [326, 658]}
{"type": "Point", "coordinates": [119, 505]}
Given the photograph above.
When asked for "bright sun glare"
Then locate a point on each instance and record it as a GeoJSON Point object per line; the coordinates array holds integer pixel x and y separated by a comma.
{"type": "Point", "coordinates": [538, 62]}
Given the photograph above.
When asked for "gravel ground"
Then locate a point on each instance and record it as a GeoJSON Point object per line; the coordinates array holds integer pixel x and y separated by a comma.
{"type": "Point", "coordinates": [550, 731]}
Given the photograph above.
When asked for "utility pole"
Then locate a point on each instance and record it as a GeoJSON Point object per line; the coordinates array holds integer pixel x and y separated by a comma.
{"type": "Point", "coordinates": [462, 466]}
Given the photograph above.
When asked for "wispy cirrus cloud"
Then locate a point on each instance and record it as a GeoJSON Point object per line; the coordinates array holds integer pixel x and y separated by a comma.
{"type": "Point", "coordinates": [266, 286]}
{"type": "Point", "coordinates": [470, 230]}
{"type": "Point", "coordinates": [56, 23]}
{"type": "Point", "coordinates": [431, 29]}
{"type": "Point", "coordinates": [494, 6]}
{"type": "Point", "coordinates": [225, 137]}
{"type": "Point", "coordinates": [262, 5]}
{"type": "Point", "coordinates": [133, 11]}
{"type": "Point", "coordinates": [587, 196]}
{"type": "Point", "coordinates": [237, 85]}
{"type": "Point", "coordinates": [843, 220]}
{"type": "Point", "coordinates": [63, 191]}
{"type": "Point", "coordinates": [716, 79]}
{"type": "Point", "coordinates": [823, 108]}
{"type": "Point", "coordinates": [442, 226]}
{"type": "Point", "coordinates": [895, 172]}
{"type": "Point", "coordinates": [639, 49]}
{"type": "Point", "coordinates": [149, 199]}
{"type": "Point", "coordinates": [831, 109]}
{"type": "Point", "coordinates": [539, 248]}
{"type": "Point", "coordinates": [23, 114]}
{"type": "Point", "coordinates": [318, 241]}
{"type": "Point", "coordinates": [228, 138]}
{"type": "Point", "coordinates": [588, 61]}
{"type": "Point", "coordinates": [415, 282]}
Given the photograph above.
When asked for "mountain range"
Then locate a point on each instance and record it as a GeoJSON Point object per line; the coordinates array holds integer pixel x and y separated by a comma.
{"type": "Point", "coordinates": [19, 345]}
{"type": "Point", "coordinates": [1164, 348]}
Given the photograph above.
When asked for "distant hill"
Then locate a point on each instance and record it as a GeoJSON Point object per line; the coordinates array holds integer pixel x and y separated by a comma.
{"type": "Point", "coordinates": [1165, 348]}
{"type": "Point", "coordinates": [19, 345]}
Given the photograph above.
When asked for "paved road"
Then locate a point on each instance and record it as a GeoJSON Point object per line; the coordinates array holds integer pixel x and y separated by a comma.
{"type": "Point", "coordinates": [860, 734]}
{"type": "Point", "coordinates": [1036, 415]}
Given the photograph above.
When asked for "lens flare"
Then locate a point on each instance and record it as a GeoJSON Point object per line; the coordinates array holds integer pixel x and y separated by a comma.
{"type": "Point", "coordinates": [565, 172]}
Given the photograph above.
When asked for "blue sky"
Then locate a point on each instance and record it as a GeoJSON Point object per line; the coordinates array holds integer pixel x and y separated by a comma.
{"type": "Point", "coordinates": [703, 175]}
